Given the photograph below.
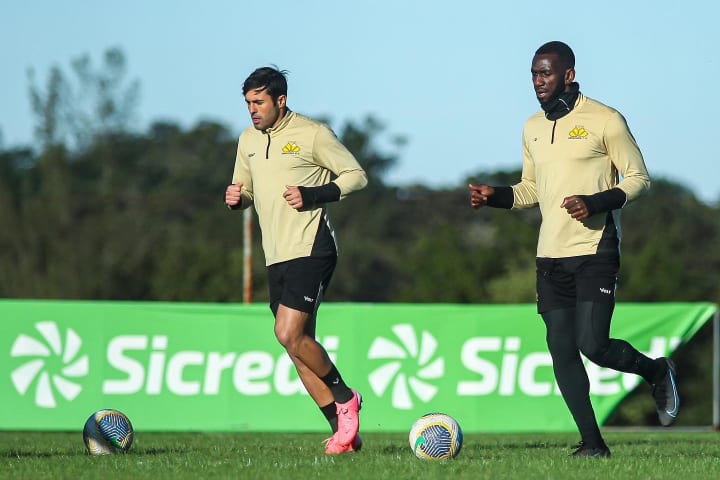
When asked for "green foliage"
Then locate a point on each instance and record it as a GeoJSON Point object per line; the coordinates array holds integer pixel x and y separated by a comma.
{"type": "Point", "coordinates": [140, 216]}
{"type": "Point", "coordinates": [671, 247]}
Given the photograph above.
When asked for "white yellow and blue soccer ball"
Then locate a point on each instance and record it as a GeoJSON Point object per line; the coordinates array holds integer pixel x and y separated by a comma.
{"type": "Point", "coordinates": [108, 431]}
{"type": "Point", "coordinates": [436, 436]}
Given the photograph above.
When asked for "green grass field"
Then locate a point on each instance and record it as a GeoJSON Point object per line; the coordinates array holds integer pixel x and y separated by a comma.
{"type": "Point", "coordinates": [655, 454]}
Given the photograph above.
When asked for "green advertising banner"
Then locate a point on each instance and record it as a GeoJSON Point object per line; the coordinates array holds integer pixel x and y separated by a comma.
{"type": "Point", "coordinates": [218, 367]}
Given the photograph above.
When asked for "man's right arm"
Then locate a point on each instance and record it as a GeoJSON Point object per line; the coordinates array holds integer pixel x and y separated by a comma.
{"type": "Point", "coordinates": [233, 196]}
{"type": "Point", "coordinates": [239, 194]}
{"type": "Point", "coordinates": [520, 195]}
{"type": "Point", "coordinates": [524, 194]}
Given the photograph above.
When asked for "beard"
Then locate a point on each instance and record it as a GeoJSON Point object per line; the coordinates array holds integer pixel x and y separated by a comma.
{"type": "Point", "coordinates": [561, 102]}
{"type": "Point", "coordinates": [553, 96]}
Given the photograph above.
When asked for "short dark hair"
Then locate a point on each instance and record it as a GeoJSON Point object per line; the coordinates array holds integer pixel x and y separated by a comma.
{"type": "Point", "coordinates": [272, 79]}
{"type": "Point", "coordinates": [562, 50]}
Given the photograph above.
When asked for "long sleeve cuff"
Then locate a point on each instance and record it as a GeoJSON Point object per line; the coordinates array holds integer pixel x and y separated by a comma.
{"type": "Point", "coordinates": [502, 198]}
{"type": "Point", "coordinates": [604, 201]}
{"type": "Point", "coordinates": [312, 196]}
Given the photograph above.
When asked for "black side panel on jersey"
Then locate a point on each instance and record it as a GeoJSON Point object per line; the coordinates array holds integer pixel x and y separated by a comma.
{"type": "Point", "coordinates": [324, 244]}
{"type": "Point", "coordinates": [610, 241]}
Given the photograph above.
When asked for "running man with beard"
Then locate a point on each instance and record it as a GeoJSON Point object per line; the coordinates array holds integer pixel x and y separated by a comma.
{"type": "Point", "coordinates": [581, 166]}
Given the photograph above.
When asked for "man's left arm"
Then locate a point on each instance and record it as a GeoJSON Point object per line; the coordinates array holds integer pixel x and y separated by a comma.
{"type": "Point", "coordinates": [329, 153]}
{"type": "Point", "coordinates": [626, 156]}
{"type": "Point", "coordinates": [628, 160]}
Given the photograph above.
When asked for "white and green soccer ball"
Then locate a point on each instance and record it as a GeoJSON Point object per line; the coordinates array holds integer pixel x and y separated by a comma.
{"type": "Point", "coordinates": [436, 436]}
{"type": "Point", "coordinates": [107, 432]}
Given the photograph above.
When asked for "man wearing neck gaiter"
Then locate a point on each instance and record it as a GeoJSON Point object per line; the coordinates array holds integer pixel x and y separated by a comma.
{"type": "Point", "coordinates": [581, 166]}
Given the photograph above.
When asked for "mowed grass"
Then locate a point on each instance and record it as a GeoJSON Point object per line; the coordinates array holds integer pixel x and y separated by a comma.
{"type": "Point", "coordinates": [661, 454]}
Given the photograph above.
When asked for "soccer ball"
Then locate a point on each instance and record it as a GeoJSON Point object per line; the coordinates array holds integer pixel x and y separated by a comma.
{"type": "Point", "coordinates": [108, 431]}
{"type": "Point", "coordinates": [436, 436]}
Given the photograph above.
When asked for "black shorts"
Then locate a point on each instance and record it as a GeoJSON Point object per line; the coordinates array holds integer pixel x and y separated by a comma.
{"type": "Point", "coordinates": [300, 283]}
{"type": "Point", "coordinates": [562, 282]}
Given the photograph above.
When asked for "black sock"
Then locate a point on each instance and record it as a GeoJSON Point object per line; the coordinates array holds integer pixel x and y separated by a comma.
{"type": "Point", "coordinates": [650, 369]}
{"type": "Point", "coordinates": [335, 383]}
{"type": "Point", "coordinates": [659, 372]}
{"type": "Point", "coordinates": [624, 357]}
{"type": "Point", "coordinates": [330, 412]}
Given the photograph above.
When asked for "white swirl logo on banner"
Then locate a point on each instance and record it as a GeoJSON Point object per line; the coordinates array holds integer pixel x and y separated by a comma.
{"type": "Point", "coordinates": [420, 351]}
{"type": "Point", "coordinates": [49, 349]}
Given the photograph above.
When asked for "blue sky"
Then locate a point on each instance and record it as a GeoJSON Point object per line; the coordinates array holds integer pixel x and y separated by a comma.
{"type": "Point", "coordinates": [452, 76]}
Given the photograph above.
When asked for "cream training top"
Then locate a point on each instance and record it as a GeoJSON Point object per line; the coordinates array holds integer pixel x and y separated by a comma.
{"type": "Point", "coordinates": [296, 152]}
{"type": "Point", "coordinates": [585, 152]}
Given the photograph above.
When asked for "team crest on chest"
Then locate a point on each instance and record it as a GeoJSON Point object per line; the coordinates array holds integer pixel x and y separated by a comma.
{"type": "Point", "coordinates": [578, 133]}
{"type": "Point", "coordinates": [291, 148]}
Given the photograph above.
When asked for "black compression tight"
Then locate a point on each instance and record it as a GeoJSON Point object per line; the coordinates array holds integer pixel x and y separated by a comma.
{"type": "Point", "coordinates": [570, 373]}
{"type": "Point", "coordinates": [585, 328]}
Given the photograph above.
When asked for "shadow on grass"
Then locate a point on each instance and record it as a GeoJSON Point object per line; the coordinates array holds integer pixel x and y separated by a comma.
{"type": "Point", "coordinates": [21, 453]}
{"type": "Point", "coordinates": [394, 450]}
{"type": "Point", "coordinates": [35, 454]}
{"type": "Point", "coordinates": [161, 451]}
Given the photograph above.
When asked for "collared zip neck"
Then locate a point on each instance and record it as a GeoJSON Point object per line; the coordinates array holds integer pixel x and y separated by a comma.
{"type": "Point", "coordinates": [289, 114]}
{"type": "Point", "coordinates": [568, 109]}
